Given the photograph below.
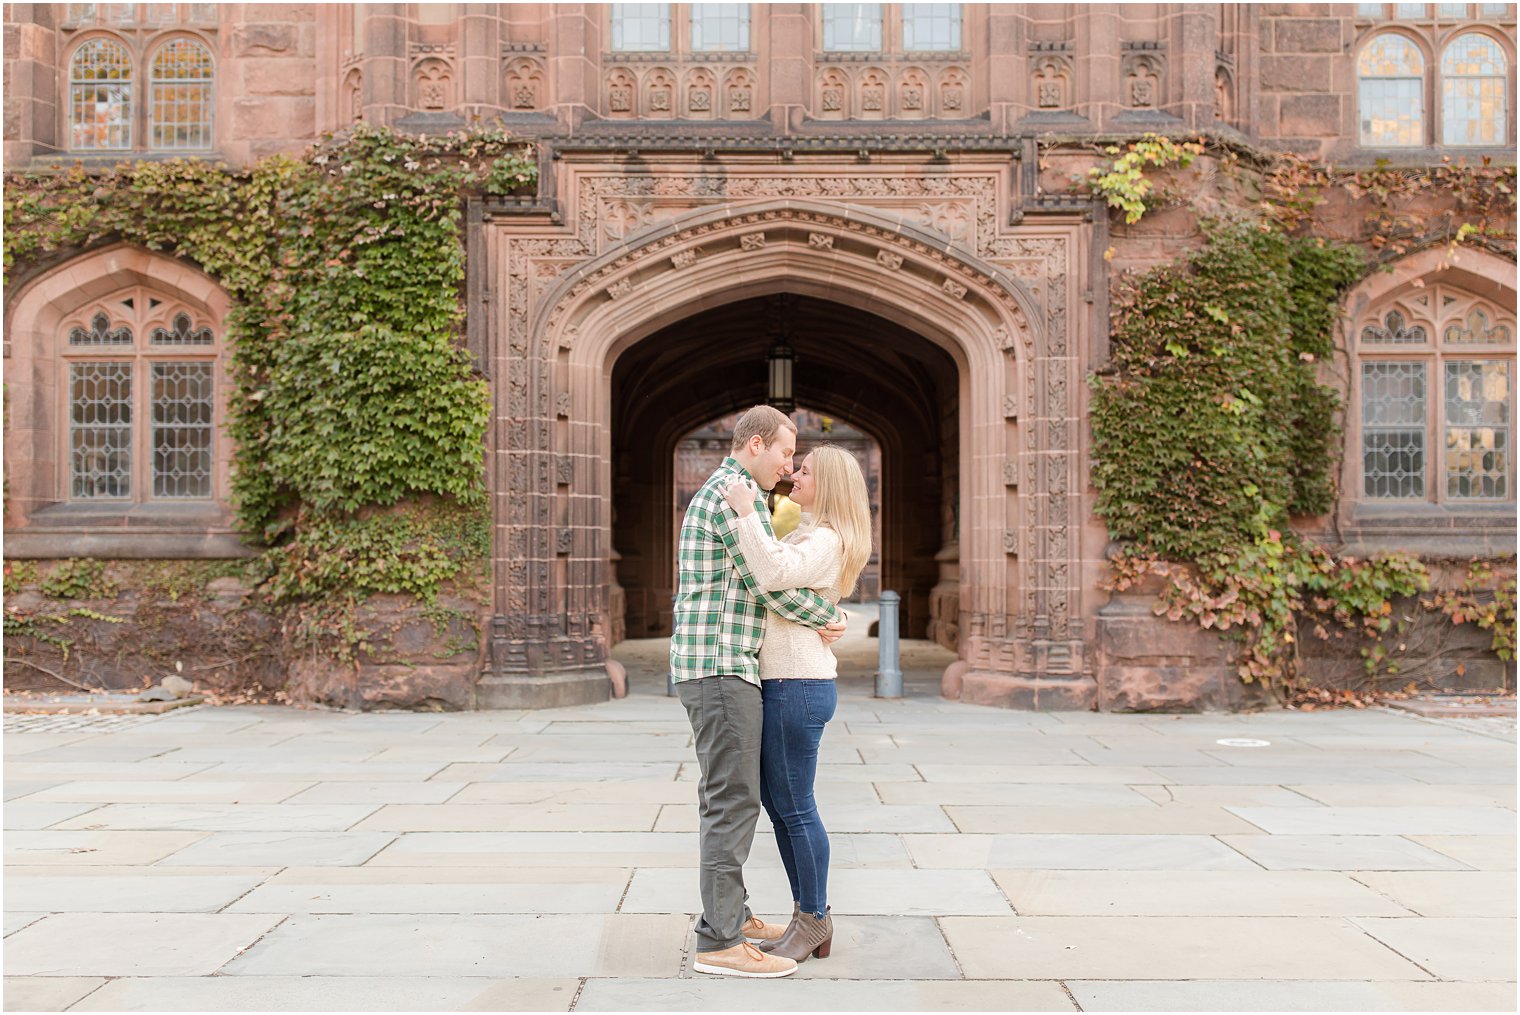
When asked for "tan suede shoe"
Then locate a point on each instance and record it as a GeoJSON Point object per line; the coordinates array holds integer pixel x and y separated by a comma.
{"type": "Point", "coordinates": [743, 959]}
{"type": "Point", "coordinates": [757, 929]}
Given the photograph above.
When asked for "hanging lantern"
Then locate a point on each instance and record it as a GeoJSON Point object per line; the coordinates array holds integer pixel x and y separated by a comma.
{"type": "Point", "coordinates": [781, 361]}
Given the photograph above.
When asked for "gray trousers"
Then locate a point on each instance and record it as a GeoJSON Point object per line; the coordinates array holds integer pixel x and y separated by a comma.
{"type": "Point", "coordinates": [726, 715]}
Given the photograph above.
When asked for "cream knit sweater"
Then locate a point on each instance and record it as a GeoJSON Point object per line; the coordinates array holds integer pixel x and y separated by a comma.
{"type": "Point", "coordinates": [809, 558]}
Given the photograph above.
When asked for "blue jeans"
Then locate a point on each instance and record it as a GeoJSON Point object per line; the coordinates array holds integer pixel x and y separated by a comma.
{"type": "Point", "coordinates": [795, 714]}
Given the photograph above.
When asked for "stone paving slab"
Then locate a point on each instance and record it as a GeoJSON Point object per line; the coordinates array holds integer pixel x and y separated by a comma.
{"type": "Point", "coordinates": [1172, 819]}
{"type": "Point", "coordinates": [132, 944]}
{"type": "Point", "coordinates": [852, 892]}
{"type": "Point", "coordinates": [1480, 852]}
{"type": "Point", "coordinates": [1197, 893]}
{"type": "Point", "coordinates": [1014, 794]}
{"type": "Point", "coordinates": [1451, 948]}
{"type": "Point", "coordinates": [1404, 795]}
{"type": "Point", "coordinates": [26, 815]}
{"type": "Point", "coordinates": [530, 860]}
{"type": "Point", "coordinates": [1445, 893]}
{"type": "Point", "coordinates": [129, 889]}
{"type": "Point", "coordinates": [710, 995]}
{"type": "Point", "coordinates": [1171, 947]}
{"type": "Point", "coordinates": [1076, 852]}
{"type": "Point", "coordinates": [223, 817]}
{"type": "Point", "coordinates": [48, 993]}
{"type": "Point", "coordinates": [1380, 820]}
{"type": "Point", "coordinates": [172, 792]}
{"type": "Point", "coordinates": [275, 849]}
{"type": "Point", "coordinates": [1340, 852]}
{"type": "Point", "coordinates": [1290, 995]}
{"type": "Point", "coordinates": [332, 993]}
{"type": "Point", "coordinates": [79, 848]}
{"type": "Point", "coordinates": [468, 945]}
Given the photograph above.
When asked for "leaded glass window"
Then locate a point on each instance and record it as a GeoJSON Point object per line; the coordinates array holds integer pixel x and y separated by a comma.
{"type": "Point", "coordinates": [1474, 91]}
{"type": "Point", "coordinates": [1369, 10]}
{"type": "Point", "coordinates": [1496, 10]}
{"type": "Point", "coordinates": [141, 400]}
{"type": "Point", "coordinates": [1409, 10]}
{"type": "Point", "coordinates": [1393, 331]}
{"type": "Point", "coordinates": [852, 28]}
{"type": "Point", "coordinates": [100, 332]}
{"type": "Point", "coordinates": [931, 27]}
{"type": "Point", "coordinates": [1414, 447]}
{"type": "Point", "coordinates": [100, 96]}
{"type": "Point", "coordinates": [1391, 95]}
{"type": "Point", "coordinates": [100, 430]}
{"type": "Point", "coordinates": [1393, 430]}
{"type": "Point", "coordinates": [1452, 10]}
{"type": "Point", "coordinates": [179, 97]}
{"type": "Point", "coordinates": [182, 333]}
{"type": "Point", "coordinates": [640, 27]}
{"type": "Point", "coordinates": [720, 28]}
{"type": "Point", "coordinates": [183, 400]}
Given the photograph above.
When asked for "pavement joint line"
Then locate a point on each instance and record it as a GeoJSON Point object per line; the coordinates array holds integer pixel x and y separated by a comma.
{"type": "Point", "coordinates": [1385, 944]}
{"type": "Point", "coordinates": [959, 969]}
{"type": "Point", "coordinates": [1248, 856]}
{"type": "Point", "coordinates": [1385, 895]}
{"type": "Point", "coordinates": [1450, 722]}
{"type": "Point", "coordinates": [1069, 995]}
{"type": "Point", "coordinates": [579, 986]}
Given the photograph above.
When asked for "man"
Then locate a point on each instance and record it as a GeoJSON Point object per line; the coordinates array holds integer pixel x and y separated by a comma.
{"type": "Point", "coordinates": [715, 662]}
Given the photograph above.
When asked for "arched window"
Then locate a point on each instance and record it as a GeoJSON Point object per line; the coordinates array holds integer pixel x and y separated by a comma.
{"type": "Point", "coordinates": [100, 96]}
{"type": "Point", "coordinates": [179, 96]}
{"type": "Point", "coordinates": [1436, 392]}
{"type": "Point", "coordinates": [1391, 96]}
{"type": "Point", "coordinates": [1474, 76]}
{"type": "Point", "coordinates": [141, 376]}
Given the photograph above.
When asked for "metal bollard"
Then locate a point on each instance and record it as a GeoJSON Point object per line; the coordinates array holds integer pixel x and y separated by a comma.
{"type": "Point", "coordinates": [889, 677]}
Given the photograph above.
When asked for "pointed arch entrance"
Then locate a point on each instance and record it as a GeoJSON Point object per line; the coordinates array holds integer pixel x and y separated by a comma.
{"type": "Point", "coordinates": [555, 469]}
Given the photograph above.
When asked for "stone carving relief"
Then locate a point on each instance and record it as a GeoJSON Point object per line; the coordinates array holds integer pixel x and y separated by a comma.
{"type": "Point", "coordinates": [525, 84]}
{"type": "Point", "coordinates": [913, 94]}
{"type": "Point", "coordinates": [1051, 81]}
{"type": "Point", "coordinates": [833, 94]}
{"type": "Point", "coordinates": [622, 86]}
{"type": "Point", "coordinates": [659, 93]}
{"type": "Point", "coordinates": [1037, 540]}
{"type": "Point", "coordinates": [739, 92]}
{"type": "Point", "coordinates": [700, 91]}
{"type": "Point", "coordinates": [353, 95]}
{"type": "Point", "coordinates": [873, 94]}
{"type": "Point", "coordinates": [954, 92]}
{"type": "Point", "coordinates": [1142, 81]}
{"type": "Point", "coordinates": [1224, 95]}
{"type": "Point", "coordinates": [433, 85]}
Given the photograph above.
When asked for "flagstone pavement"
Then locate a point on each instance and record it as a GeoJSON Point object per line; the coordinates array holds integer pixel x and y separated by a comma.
{"type": "Point", "coordinates": [264, 858]}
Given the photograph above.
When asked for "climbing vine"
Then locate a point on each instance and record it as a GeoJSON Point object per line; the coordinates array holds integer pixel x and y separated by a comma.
{"type": "Point", "coordinates": [1211, 430]}
{"type": "Point", "coordinates": [346, 269]}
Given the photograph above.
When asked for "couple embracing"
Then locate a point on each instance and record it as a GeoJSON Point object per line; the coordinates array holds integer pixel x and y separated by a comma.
{"type": "Point", "coordinates": [754, 619]}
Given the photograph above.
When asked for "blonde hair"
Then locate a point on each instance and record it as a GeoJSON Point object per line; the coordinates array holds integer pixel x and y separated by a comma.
{"type": "Point", "coordinates": [763, 421]}
{"type": "Point", "coordinates": [842, 503]}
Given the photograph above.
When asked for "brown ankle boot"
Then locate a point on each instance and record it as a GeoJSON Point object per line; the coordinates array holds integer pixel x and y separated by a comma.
{"type": "Point", "coordinates": [806, 937]}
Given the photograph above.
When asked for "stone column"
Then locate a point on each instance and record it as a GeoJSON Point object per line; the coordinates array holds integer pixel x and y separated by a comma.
{"type": "Point", "coordinates": [1098, 64]}
{"type": "Point", "coordinates": [575, 61]}
{"type": "Point", "coordinates": [31, 83]}
{"type": "Point", "coordinates": [384, 66]}
{"type": "Point", "coordinates": [480, 62]}
{"type": "Point", "coordinates": [1003, 55]}
{"type": "Point", "coordinates": [789, 42]}
{"type": "Point", "coordinates": [1191, 64]}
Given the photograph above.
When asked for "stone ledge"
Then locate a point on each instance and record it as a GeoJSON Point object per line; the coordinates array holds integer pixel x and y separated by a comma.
{"type": "Point", "coordinates": [551, 690]}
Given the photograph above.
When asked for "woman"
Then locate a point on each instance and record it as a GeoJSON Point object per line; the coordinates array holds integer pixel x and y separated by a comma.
{"type": "Point", "coordinates": [826, 554]}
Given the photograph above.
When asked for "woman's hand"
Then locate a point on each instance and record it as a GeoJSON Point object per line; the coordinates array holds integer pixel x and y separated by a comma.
{"type": "Point", "coordinates": [740, 494]}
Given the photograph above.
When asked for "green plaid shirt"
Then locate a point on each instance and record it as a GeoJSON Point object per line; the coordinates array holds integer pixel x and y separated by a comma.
{"type": "Point", "coordinates": [719, 613]}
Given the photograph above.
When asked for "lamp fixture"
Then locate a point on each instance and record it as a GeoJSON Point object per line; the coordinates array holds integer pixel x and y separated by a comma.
{"type": "Point", "coordinates": [782, 357]}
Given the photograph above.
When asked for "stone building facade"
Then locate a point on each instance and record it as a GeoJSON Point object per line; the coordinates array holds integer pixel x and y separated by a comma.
{"type": "Point", "coordinates": [895, 170]}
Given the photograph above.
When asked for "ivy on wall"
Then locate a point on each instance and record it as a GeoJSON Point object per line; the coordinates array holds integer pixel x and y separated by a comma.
{"type": "Point", "coordinates": [346, 269]}
{"type": "Point", "coordinates": [1210, 429]}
